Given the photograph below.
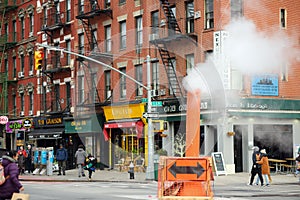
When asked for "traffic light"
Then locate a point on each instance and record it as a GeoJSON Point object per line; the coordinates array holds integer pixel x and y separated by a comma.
{"type": "Point", "coordinates": [38, 59]}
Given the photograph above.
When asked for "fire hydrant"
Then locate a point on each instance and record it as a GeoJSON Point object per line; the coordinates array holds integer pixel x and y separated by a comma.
{"type": "Point", "coordinates": [131, 170]}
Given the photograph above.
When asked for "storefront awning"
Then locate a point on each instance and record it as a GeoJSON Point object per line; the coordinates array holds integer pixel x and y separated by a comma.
{"type": "Point", "coordinates": [46, 133]}
{"type": "Point", "coordinates": [138, 124]}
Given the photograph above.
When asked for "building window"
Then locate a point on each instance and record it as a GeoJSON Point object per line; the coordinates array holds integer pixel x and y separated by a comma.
{"type": "Point", "coordinates": [14, 26]}
{"type": "Point", "coordinates": [172, 90]}
{"type": "Point", "coordinates": [107, 3]}
{"type": "Point", "coordinates": [139, 31]}
{"type": "Point", "coordinates": [236, 8]}
{"type": "Point", "coordinates": [31, 25]}
{"type": "Point", "coordinates": [190, 17]}
{"type": "Point", "coordinates": [31, 101]}
{"type": "Point", "coordinates": [31, 61]}
{"type": "Point", "coordinates": [123, 35]}
{"type": "Point", "coordinates": [208, 54]}
{"type": "Point", "coordinates": [14, 104]}
{"type": "Point", "coordinates": [122, 2]}
{"type": "Point", "coordinates": [22, 21]}
{"type": "Point", "coordinates": [94, 36]}
{"type": "Point", "coordinates": [209, 14]}
{"type": "Point", "coordinates": [57, 98]}
{"type": "Point", "coordinates": [68, 47]}
{"type": "Point", "coordinates": [155, 76]}
{"type": "Point", "coordinates": [22, 63]}
{"type": "Point", "coordinates": [6, 29]}
{"type": "Point", "coordinates": [107, 84]}
{"type": "Point", "coordinates": [22, 101]}
{"type": "Point", "coordinates": [284, 72]}
{"type": "Point", "coordinates": [6, 65]}
{"type": "Point", "coordinates": [68, 96]}
{"type": "Point", "coordinates": [107, 39]}
{"type": "Point", "coordinates": [283, 18]}
{"type": "Point", "coordinates": [81, 7]}
{"type": "Point", "coordinates": [56, 57]}
{"type": "Point", "coordinates": [80, 89]}
{"type": "Point", "coordinates": [94, 93]}
{"type": "Point", "coordinates": [139, 78]}
{"type": "Point", "coordinates": [81, 43]}
{"type": "Point", "coordinates": [14, 67]}
{"type": "Point", "coordinates": [68, 10]}
{"type": "Point", "coordinates": [123, 83]}
{"type": "Point", "coordinates": [189, 63]}
{"type": "Point", "coordinates": [154, 22]}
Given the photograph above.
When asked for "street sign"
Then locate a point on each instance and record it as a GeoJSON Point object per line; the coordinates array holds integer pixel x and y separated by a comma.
{"type": "Point", "coordinates": [144, 100]}
{"type": "Point", "coordinates": [156, 103]}
{"type": "Point", "coordinates": [186, 169]}
{"type": "Point", "coordinates": [151, 115]}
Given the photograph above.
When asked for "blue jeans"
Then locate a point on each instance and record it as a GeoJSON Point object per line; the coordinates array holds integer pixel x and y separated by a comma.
{"type": "Point", "coordinates": [265, 176]}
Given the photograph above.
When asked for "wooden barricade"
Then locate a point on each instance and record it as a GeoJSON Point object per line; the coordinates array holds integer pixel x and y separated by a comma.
{"type": "Point", "coordinates": [185, 178]}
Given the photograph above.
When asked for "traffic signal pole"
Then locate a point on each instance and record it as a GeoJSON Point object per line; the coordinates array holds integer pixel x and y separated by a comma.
{"type": "Point", "coordinates": [150, 167]}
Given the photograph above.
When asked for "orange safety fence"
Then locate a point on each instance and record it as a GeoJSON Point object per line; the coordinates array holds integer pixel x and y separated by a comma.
{"type": "Point", "coordinates": [185, 178]}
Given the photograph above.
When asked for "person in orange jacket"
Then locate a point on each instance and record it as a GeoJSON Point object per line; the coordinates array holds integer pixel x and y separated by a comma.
{"type": "Point", "coordinates": [265, 168]}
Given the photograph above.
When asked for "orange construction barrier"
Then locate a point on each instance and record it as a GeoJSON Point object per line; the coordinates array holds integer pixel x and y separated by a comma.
{"type": "Point", "coordinates": [185, 178]}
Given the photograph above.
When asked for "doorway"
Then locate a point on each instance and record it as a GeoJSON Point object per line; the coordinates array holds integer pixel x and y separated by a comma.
{"type": "Point", "coordinates": [238, 147]}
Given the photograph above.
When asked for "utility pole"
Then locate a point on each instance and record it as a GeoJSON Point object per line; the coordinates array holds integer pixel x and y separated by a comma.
{"type": "Point", "coordinates": [150, 167]}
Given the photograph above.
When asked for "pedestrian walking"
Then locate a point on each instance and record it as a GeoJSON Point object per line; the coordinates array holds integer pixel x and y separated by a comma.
{"type": "Point", "coordinates": [80, 157]}
{"type": "Point", "coordinates": [11, 172]}
{"type": "Point", "coordinates": [61, 158]}
{"type": "Point", "coordinates": [28, 160]}
{"type": "Point", "coordinates": [265, 168]}
{"type": "Point", "coordinates": [90, 165]}
{"type": "Point", "coordinates": [21, 159]}
{"type": "Point", "coordinates": [256, 168]}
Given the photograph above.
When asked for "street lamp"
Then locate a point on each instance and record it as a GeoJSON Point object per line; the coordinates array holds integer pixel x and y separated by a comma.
{"type": "Point", "coordinates": [150, 167]}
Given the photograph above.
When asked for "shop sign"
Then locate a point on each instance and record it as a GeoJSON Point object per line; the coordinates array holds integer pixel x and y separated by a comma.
{"type": "Point", "coordinates": [3, 120]}
{"type": "Point", "coordinates": [175, 108]}
{"type": "Point", "coordinates": [124, 111]}
{"type": "Point", "coordinates": [49, 121]}
{"type": "Point", "coordinates": [14, 125]}
{"type": "Point", "coordinates": [27, 123]}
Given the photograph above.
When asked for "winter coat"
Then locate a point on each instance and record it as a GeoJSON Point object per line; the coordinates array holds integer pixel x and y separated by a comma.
{"type": "Point", "coordinates": [80, 156]}
{"type": "Point", "coordinates": [61, 154]}
{"type": "Point", "coordinates": [264, 161]}
{"type": "Point", "coordinates": [90, 163]}
{"type": "Point", "coordinates": [11, 184]}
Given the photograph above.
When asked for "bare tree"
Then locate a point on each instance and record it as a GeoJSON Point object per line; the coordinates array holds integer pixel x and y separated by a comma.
{"type": "Point", "coordinates": [179, 144]}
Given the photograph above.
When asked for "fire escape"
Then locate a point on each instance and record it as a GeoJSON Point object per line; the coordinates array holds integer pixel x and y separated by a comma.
{"type": "Point", "coordinates": [89, 12]}
{"type": "Point", "coordinates": [7, 41]}
{"type": "Point", "coordinates": [53, 21]}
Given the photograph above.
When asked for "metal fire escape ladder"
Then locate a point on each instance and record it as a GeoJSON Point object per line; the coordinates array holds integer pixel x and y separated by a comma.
{"type": "Point", "coordinates": [90, 36]}
{"type": "Point", "coordinates": [172, 22]}
{"type": "Point", "coordinates": [171, 73]}
{"type": "Point", "coordinates": [3, 78]}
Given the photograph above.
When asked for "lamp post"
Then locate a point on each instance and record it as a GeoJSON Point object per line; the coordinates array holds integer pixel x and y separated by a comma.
{"type": "Point", "coordinates": [150, 167]}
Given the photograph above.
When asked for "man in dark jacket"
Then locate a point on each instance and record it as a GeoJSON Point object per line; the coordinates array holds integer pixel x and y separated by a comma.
{"type": "Point", "coordinates": [61, 158]}
{"type": "Point", "coordinates": [256, 168]}
{"type": "Point", "coordinates": [11, 171]}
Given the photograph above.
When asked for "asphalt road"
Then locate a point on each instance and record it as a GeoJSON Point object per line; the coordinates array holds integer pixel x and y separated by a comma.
{"type": "Point", "coordinates": [90, 190]}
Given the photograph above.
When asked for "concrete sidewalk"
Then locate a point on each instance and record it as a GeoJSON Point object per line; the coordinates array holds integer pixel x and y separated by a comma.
{"type": "Point", "coordinates": [139, 177]}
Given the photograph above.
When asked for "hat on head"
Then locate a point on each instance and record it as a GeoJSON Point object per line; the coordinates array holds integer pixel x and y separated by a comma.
{"type": "Point", "coordinates": [255, 148]}
{"type": "Point", "coordinates": [263, 151]}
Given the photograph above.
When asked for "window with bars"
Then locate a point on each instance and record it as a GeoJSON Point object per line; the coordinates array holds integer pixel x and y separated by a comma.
{"type": "Point", "coordinates": [190, 17]}
{"type": "Point", "coordinates": [209, 14]}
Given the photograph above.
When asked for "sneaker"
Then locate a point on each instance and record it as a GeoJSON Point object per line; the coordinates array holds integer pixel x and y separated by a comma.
{"type": "Point", "coordinates": [267, 185]}
{"type": "Point", "coordinates": [79, 176]}
{"type": "Point", "coordinates": [256, 183]}
{"type": "Point", "coordinates": [249, 184]}
{"type": "Point", "coordinates": [83, 175]}
{"type": "Point", "coordinates": [58, 174]}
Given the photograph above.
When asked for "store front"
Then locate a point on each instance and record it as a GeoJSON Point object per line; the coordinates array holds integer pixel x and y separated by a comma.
{"type": "Point", "coordinates": [124, 132]}
{"type": "Point", "coordinates": [86, 130]}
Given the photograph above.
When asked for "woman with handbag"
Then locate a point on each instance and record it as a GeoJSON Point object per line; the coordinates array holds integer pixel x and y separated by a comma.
{"type": "Point", "coordinates": [11, 172]}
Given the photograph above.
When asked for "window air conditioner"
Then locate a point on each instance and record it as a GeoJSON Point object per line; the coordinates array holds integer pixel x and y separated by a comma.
{"type": "Point", "coordinates": [20, 74]}
{"type": "Point", "coordinates": [22, 113]}
{"type": "Point", "coordinates": [31, 73]}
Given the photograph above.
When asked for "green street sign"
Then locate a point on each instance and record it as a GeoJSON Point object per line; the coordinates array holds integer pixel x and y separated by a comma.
{"type": "Point", "coordinates": [144, 100]}
{"type": "Point", "coordinates": [156, 103]}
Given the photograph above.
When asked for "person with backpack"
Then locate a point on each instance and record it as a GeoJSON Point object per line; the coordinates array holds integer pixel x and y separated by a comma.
{"type": "Point", "coordinates": [61, 158]}
{"type": "Point", "coordinates": [11, 172]}
{"type": "Point", "coordinates": [80, 156]}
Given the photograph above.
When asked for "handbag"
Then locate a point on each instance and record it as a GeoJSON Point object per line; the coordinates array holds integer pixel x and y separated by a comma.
{"type": "Point", "coordinates": [20, 196]}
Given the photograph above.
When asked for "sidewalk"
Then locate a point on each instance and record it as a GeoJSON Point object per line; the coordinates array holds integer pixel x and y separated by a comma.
{"type": "Point", "coordinates": [116, 176]}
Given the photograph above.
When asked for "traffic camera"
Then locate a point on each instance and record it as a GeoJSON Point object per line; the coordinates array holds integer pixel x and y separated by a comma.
{"type": "Point", "coordinates": [38, 58]}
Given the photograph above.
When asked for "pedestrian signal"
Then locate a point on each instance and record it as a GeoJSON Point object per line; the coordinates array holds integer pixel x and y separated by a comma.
{"type": "Point", "coordinates": [38, 58]}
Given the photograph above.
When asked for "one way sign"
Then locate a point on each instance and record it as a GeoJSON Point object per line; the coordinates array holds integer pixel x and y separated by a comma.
{"type": "Point", "coordinates": [151, 115]}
